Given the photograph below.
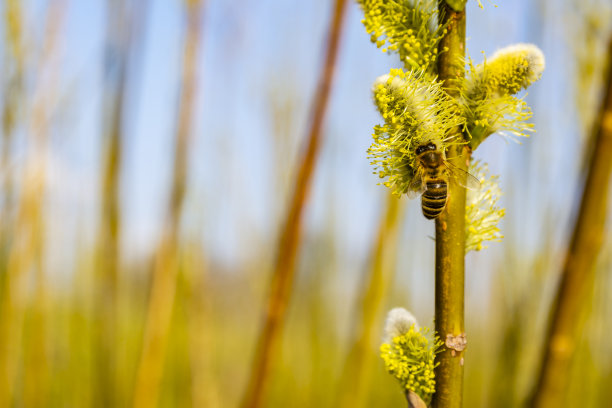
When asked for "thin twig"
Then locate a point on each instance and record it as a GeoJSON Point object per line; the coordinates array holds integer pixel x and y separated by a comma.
{"type": "Point", "coordinates": [104, 340]}
{"type": "Point", "coordinates": [284, 270]}
{"type": "Point", "coordinates": [357, 368]}
{"type": "Point", "coordinates": [163, 290]}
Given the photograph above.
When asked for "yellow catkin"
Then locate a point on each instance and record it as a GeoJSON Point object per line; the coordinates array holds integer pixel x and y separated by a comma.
{"type": "Point", "coordinates": [409, 357]}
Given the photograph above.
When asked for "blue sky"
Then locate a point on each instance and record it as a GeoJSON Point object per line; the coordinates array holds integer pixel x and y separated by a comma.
{"type": "Point", "coordinates": [255, 52]}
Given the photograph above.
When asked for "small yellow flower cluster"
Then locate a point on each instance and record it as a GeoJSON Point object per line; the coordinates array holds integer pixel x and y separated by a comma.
{"type": "Point", "coordinates": [409, 357]}
{"type": "Point", "coordinates": [416, 111]}
{"type": "Point", "coordinates": [408, 27]}
{"type": "Point", "coordinates": [489, 104]}
{"type": "Point", "coordinates": [506, 115]}
{"type": "Point", "coordinates": [482, 216]}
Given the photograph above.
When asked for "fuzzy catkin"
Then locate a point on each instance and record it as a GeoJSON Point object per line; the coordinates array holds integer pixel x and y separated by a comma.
{"type": "Point", "coordinates": [409, 353]}
{"type": "Point", "coordinates": [416, 111]}
{"type": "Point", "coordinates": [407, 27]}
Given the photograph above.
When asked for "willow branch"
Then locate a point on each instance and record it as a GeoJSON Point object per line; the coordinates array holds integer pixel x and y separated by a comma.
{"type": "Point", "coordinates": [578, 272]}
{"type": "Point", "coordinates": [284, 270]}
{"type": "Point", "coordinates": [450, 233]}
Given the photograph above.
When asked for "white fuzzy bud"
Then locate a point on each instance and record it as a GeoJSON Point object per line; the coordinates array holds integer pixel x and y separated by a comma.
{"type": "Point", "coordinates": [399, 321]}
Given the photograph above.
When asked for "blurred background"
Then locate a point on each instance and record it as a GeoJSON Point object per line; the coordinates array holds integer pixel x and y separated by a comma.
{"type": "Point", "coordinates": [158, 141]}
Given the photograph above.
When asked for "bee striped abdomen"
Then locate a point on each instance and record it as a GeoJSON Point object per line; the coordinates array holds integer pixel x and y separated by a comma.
{"type": "Point", "coordinates": [434, 198]}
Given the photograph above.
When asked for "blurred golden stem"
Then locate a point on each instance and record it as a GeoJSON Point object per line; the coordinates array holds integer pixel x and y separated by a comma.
{"type": "Point", "coordinates": [163, 290]}
{"type": "Point", "coordinates": [124, 29]}
{"type": "Point", "coordinates": [11, 291]}
{"type": "Point", "coordinates": [104, 344]}
{"type": "Point", "coordinates": [11, 322]}
{"type": "Point", "coordinates": [450, 232]}
{"type": "Point", "coordinates": [284, 270]}
{"type": "Point", "coordinates": [578, 271]}
{"type": "Point", "coordinates": [27, 247]}
{"type": "Point", "coordinates": [36, 373]}
{"type": "Point", "coordinates": [13, 70]}
{"type": "Point", "coordinates": [357, 368]}
{"type": "Point", "coordinates": [203, 383]}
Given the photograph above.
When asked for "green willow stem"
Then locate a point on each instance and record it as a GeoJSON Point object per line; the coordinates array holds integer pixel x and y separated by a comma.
{"type": "Point", "coordinates": [579, 269]}
{"type": "Point", "coordinates": [450, 232]}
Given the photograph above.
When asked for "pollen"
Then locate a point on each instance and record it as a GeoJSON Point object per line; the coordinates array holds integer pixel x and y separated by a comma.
{"type": "Point", "coordinates": [408, 27]}
{"type": "Point", "coordinates": [482, 215]}
{"type": "Point", "coordinates": [488, 95]}
{"type": "Point", "coordinates": [514, 68]}
{"type": "Point", "coordinates": [416, 111]}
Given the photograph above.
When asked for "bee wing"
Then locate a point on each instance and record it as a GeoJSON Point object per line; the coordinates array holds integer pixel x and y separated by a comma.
{"type": "Point", "coordinates": [416, 187]}
{"type": "Point", "coordinates": [471, 182]}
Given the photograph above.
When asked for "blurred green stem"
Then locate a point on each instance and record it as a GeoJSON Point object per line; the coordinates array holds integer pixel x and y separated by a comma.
{"type": "Point", "coordinates": [450, 232]}
{"type": "Point", "coordinates": [578, 271]}
{"type": "Point", "coordinates": [358, 366]}
{"type": "Point", "coordinates": [104, 341]}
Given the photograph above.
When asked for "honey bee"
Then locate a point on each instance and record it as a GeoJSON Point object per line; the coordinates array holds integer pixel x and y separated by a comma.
{"type": "Point", "coordinates": [432, 175]}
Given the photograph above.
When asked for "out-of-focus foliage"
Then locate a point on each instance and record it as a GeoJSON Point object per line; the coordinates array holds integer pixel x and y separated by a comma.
{"type": "Point", "coordinates": [588, 31]}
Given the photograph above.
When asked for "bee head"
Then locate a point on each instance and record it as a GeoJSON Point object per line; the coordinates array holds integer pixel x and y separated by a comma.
{"type": "Point", "coordinates": [426, 147]}
{"type": "Point", "coordinates": [429, 156]}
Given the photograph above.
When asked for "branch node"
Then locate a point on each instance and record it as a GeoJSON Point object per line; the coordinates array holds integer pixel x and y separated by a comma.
{"type": "Point", "coordinates": [456, 343]}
